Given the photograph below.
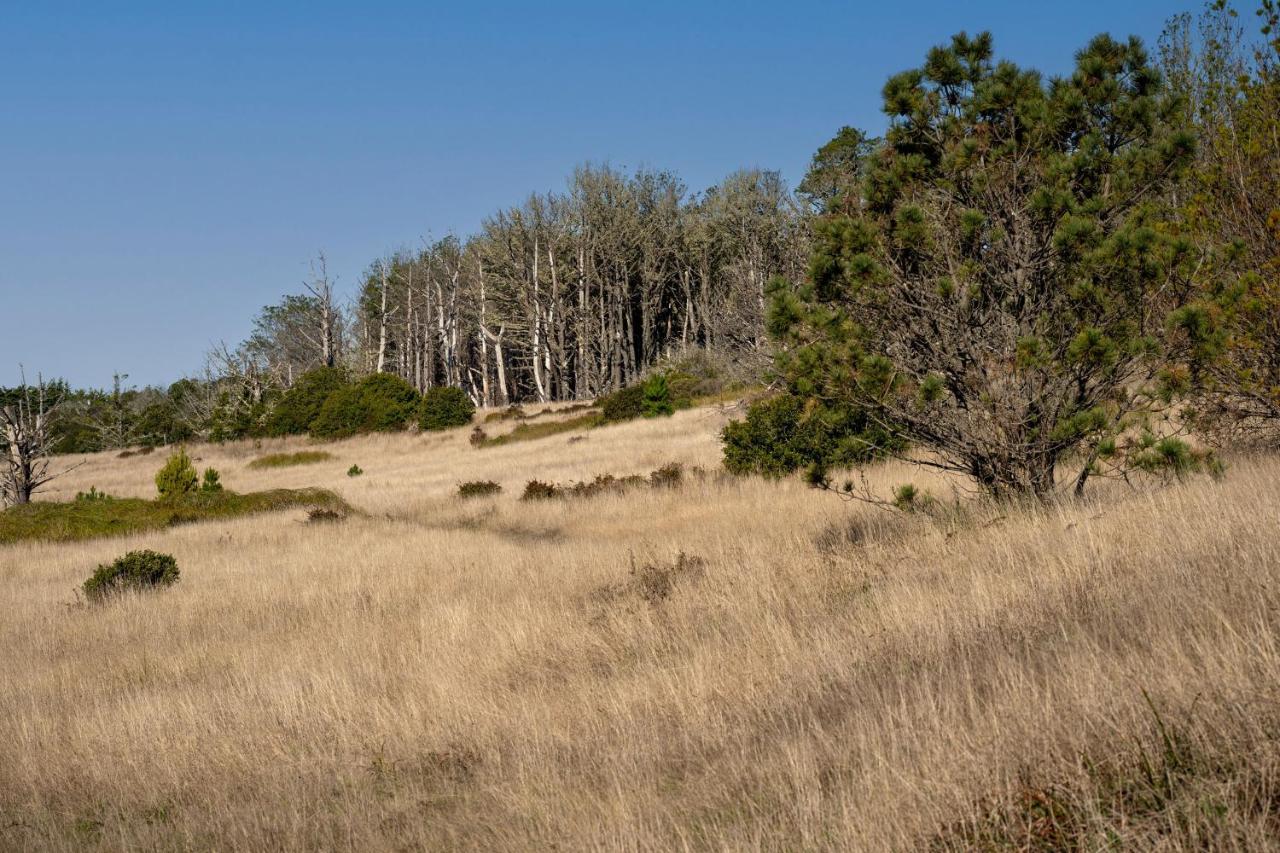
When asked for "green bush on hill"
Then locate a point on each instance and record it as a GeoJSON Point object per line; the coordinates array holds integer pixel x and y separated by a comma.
{"type": "Point", "coordinates": [783, 434]}
{"type": "Point", "coordinates": [178, 478]}
{"type": "Point", "coordinates": [444, 408]}
{"type": "Point", "coordinates": [136, 571]}
{"type": "Point", "coordinates": [378, 403]}
{"type": "Point", "coordinates": [300, 405]}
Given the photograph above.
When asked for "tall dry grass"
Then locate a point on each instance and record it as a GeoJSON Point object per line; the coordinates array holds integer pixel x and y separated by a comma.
{"type": "Point", "coordinates": [491, 674]}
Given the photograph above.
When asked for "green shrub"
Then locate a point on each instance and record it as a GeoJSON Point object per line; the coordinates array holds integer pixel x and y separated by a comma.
{"type": "Point", "coordinates": [212, 482]}
{"type": "Point", "coordinates": [654, 397]}
{"type": "Point", "coordinates": [782, 434]}
{"type": "Point", "coordinates": [285, 460]}
{"type": "Point", "coordinates": [298, 407]}
{"type": "Point", "coordinates": [92, 495]}
{"type": "Point", "coordinates": [625, 404]}
{"type": "Point", "coordinates": [378, 403]}
{"type": "Point", "coordinates": [134, 572]}
{"type": "Point", "coordinates": [657, 396]}
{"type": "Point", "coordinates": [478, 489]}
{"type": "Point", "coordinates": [178, 478]}
{"type": "Point", "coordinates": [355, 471]}
{"type": "Point", "coordinates": [444, 408]}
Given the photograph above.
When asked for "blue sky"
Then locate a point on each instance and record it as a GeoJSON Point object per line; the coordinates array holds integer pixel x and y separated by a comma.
{"type": "Point", "coordinates": [168, 168]}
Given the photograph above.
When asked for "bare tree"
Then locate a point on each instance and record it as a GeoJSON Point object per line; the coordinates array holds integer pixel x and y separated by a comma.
{"type": "Point", "coordinates": [25, 416]}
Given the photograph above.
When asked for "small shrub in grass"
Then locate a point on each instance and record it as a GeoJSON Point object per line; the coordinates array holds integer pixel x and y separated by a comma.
{"type": "Point", "coordinates": [136, 571]}
{"type": "Point", "coordinates": [286, 460]}
{"type": "Point", "coordinates": [668, 476]}
{"type": "Point", "coordinates": [513, 412]}
{"type": "Point", "coordinates": [211, 481]}
{"type": "Point", "coordinates": [445, 408]}
{"type": "Point", "coordinates": [92, 495]}
{"type": "Point", "coordinates": [355, 471]}
{"type": "Point", "coordinates": [178, 478]}
{"type": "Point", "coordinates": [320, 515]}
{"type": "Point", "coordinates": [478, 489]}
{"type": "Point", "coordinates": [536, 490]}
{"type": "Point", "coordinates": [655, 582]}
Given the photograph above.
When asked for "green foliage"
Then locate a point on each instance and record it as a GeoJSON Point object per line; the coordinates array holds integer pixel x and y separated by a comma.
{"type": "Point", "coordinates": [136, 571]}
{"type": "Point", "coordinates": [93, 495]}
{"type": "Point", "coordinates": [380, 402]}
{"type": "Point", "coordinates": [299, 407]}
{"type": "Point", "coordinates": [657, 397]}
{"type": "Point", "coordinates": [355, 471]}
{"type": "Point", "coordinates": [999, 293]}
{"type": "Point", "coordinates": [834, 177]}
{"type": "Point", "coordinates": [178, 478]}
{"type": "Point", "coordinates": [783, 434]}
{"type": "Point", "coordinates": [76, 520]}
{"type": "Point", "coordinates": [444, 408]}
{"type": "Point", "coordinates": [478, 489]}
{"type": "Point", "coordinates": [286, 460]}
{"type": "Point", "coordinates": [211, 482]}
{"type": "Point", "coordinates": [654, 397]}
{"type": "Point", "coordinates": [623, 405]}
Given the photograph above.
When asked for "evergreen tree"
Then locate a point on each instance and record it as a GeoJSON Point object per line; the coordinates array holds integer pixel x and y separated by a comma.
{"type": "Point", "coordinates": [1002, 295]}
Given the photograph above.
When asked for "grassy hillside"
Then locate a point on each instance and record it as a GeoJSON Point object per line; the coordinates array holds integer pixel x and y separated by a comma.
{"type": "Point", "coordinates": [728, 664]}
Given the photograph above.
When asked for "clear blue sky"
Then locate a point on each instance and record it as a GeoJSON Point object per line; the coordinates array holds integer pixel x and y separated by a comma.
{"type": "Point", "coordinates": [168, 168]}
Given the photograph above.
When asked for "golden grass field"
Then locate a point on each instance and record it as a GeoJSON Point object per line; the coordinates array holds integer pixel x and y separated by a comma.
{"type": "Point", "coordinates": [498, 675]}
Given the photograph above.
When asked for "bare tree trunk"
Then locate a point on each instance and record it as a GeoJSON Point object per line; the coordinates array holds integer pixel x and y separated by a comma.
{"type": "Point", "coordinates": [382, 321]}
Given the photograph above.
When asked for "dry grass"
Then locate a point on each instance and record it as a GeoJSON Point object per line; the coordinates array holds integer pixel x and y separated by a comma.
{"type": "Point", "coordinates": [491, 674]}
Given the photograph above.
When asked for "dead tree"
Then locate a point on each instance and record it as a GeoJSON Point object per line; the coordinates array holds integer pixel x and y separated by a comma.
{"type": "Point", "coordinates": [27, 440]}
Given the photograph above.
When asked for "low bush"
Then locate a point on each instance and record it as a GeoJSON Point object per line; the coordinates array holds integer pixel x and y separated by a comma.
{"type": "Point", "coordinates": [285, 460]}
{"type": "Point", "coordinates": [355, 471]}
{"type": "Point", "coordinates": [92, 495]}
{"type": "Point", "coordinates": [68, 521]}
{"type": "Point", "coordinates": [536, 490]}
{"type": "Point", "coordinates": [320, 515]}
{"type": "Point", "coordinates": [527, 431]}
{"type": "Point", "coordinates": [514, 412]}
{"type": "Point", "coordinates": [625, 404]}
{"type": "Point", "coordinates": [136, 571]}
{"type": "Point", "coordinates": [381, 402]}
{"type": "Point", "coordinates": [654, 397]}
{"type": "Point", "coordinates": [668, 476]}
{"type": "Point", "coordinates": [478, 488]}
{"type": "Point", "coordinates": [655, 582]}
{"type": "Point", "coordinates": [178, 478]}
{"type": "Point", "coordinates": [444, 408]}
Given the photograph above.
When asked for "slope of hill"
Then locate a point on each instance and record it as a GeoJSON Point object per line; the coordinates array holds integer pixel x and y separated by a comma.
{"type": "Point", "coordinates": [722, 664]}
